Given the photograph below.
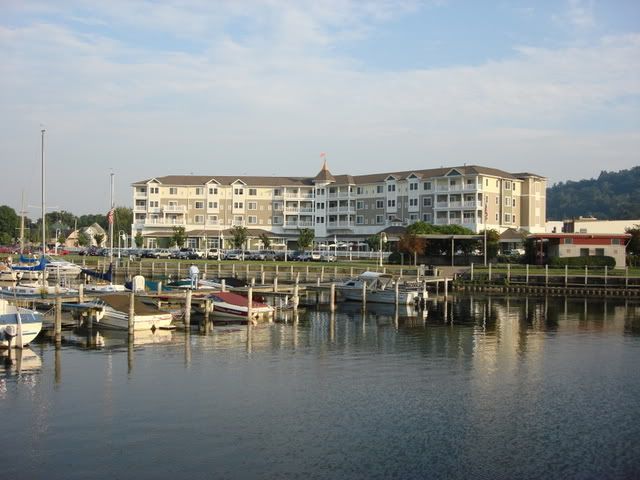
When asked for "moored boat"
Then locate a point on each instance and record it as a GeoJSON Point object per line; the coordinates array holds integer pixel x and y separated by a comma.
{"type": "Point", "coordinates": [380, 288]}
{"type": "Point", "coordinates": [232, 306]}
{"type": "Point", "coordinates": [18, 326]}
{"type": "Point", "coordinates": [116, 314]}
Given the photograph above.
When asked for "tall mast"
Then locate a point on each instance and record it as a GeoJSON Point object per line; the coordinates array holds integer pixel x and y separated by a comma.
{"type": "Point", "coordinates": [44, 229]}
{"type": "Point", "coordinates": [110, 216]}
{"type": "Point", "coordinates": [22, 212]}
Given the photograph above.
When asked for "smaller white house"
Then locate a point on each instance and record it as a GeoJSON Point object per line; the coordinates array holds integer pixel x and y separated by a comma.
{"type": "Point", "coordinates": [90, 231]}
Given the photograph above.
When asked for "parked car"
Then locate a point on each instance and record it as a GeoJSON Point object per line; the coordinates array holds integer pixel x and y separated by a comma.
{"type": "Point", "coordinates": [309, 257]}
{"type": "Point", "coordinates": [188, 254]}
{"type": "Point", "coordinates": [213, 254]}
{"type": "Point", "coordinates": [161, 253]}
{"type": "Point", "coordinates": [233, 255]}
{"type": "Point", "coordinates": [327, 257]}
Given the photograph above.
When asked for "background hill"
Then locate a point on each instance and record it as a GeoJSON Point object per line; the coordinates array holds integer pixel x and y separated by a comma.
{"type": "Point", "coordinates": [611, 196]}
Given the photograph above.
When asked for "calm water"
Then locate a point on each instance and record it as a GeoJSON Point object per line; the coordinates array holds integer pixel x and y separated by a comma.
{"type": "Point", "coordinates": [499, 388]}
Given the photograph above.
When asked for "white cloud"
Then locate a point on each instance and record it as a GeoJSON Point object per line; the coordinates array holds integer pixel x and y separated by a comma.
{"type": "Point", "coordinates": [268, 99]}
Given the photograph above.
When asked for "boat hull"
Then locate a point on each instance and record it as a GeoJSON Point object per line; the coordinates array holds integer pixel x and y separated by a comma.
{"type": "Point", "coordinates": [31, 326]}
{"type": "Point", "coordinates": [378, 296]}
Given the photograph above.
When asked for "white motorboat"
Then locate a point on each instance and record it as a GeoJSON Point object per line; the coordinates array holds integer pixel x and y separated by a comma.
{"type": "Point", "coordinates": [36, 288]}
{"type": "Point", "coordinates": [18, 326]}
{"type": "Point", "coordinates": [116, 314]}
{"type": "Point", "coordinates": [62, 269]}
{"type": "Point", "coordinates": [380, 288]}
{"type": "Point", "coordinates": [104, 288]}
{"type": "Point", "coordinates": [202, 284]}
{"type": "Point", "coordinates": [232, 306]}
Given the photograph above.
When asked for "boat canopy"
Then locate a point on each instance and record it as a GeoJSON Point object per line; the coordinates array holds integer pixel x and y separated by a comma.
{"type": "Point", "coordinates": [31, 268]}
{"type": "Point", "coordinates": [373, 275]}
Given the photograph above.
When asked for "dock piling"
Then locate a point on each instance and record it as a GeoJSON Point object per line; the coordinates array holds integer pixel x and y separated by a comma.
{"type": "Point", "coordinates": [132, 312]}
{"type": "Point", "coordinates": [57, 328]}
{"type": "Point", "coordinates": [332, 297]}
{"type": "Point", "coordinates": [81, 293]}
{"type": "Point", "coordinates": [224, 285]}
{"type": "Point", "coordinates": [187, 308]}
{"type": "Point", "coordinates": [249, 306]}
{"type": "Point", "coordinates": [275, 284]}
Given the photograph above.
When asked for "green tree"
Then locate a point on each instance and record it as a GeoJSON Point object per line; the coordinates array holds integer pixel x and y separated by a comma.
{"type": "Point", "coordinates": [98, 237]}
{"type": "Point", "coordinates": [266, 241]}
{"type": "Point", "coordinates": [239, 235]}
{"type": "Point", "coordinates": [373, 242]}
{"type": "Point", "coordinates": [305, 238]}
{"type": "Point", "coordinates": [493, 242]}
{"type": "Point", "coordinates": [179, 236]}
{"type": "Point", "coordinates": [633, 247]}
{"type": "Point", "coordinates": [123, 218]}
{"type": "Point", "coordinates": [139, 240]}
{"type": "Point", "coordinates": [9, 222]}
{"type": "Point", "coordinates": [83, 239]}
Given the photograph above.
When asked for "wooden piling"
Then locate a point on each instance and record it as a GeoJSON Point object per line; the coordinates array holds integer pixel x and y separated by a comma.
{"type": "Point", "coordinates": [332, 297]}
{"type": "Point", "coordinates": [489, 271]}
{"type": "Point", "coordinates": [187, 308]}
{"type": "Point", "coordinates": [224, 285]}
{"type": "Point", "coordinates": [364, 294]}
{"type": "Point", "coordinates": [296, 298]}
{"type": "Point", "coordinates": [397, 292]}
{"type": "Point", "coordinates": [165, 269]}
{"type": "Point", "coordinates": [446, 287]}
{"type": "Point", "coordinates": [159, 288]}
{"type": "Point", "coordinates": [132, 312]}
{"type": "Point", "coordinates": [249, 306]}
{"type": "Point", "coordinates": [57, 328]}
{"type": "Point", "coordinates": [262, 277]}
{"type": "Point", "coordinates": [472, 272]}
{"type": "Point", "coordinates": [275, 284]}
{"type": "Point", "coordinates": [566, 275]}
{"type": "Point", "coordinates": [81, 293]}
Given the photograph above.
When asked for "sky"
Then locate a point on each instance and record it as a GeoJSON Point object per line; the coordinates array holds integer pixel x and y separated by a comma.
{"type": "Point", "coordinates": [151, 88]}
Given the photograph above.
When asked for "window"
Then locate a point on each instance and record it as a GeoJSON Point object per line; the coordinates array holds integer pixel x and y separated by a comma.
{"type": "Point", "coordinates": [359, 205]}
{"type": "Point", "coordinates": [497, 217]}
{"type": "Point", "coordinates": [319, 219]}
{"type": "Point", "coordinates": [513, 202]}
{"type": "Point", "coordinates": [199, 205]}
{"type": "Point", "coordinates": [497, 183]}
{"type": "Point", "coordinates": [199, 190]}
{"type": "Point", "coordinates": [391, 188]}
{"type": "Point", "coordinates": [391, 203]}
{"type": "Point", "coordinates": [277, 192]}
{"type": "Point", "coordinates": [238, 205]}
{"type": "Point", "coordinates": [359, 190]}
{"type": "Point", "coordinates": [513, 219]}
{"type": "Point", "coordinates": [213, 204]}
{"type": "Point", "coordinates": [413, 202]}
{"type": "Point", "coordinates": [173, 191]}
{"type": "Point", "coordinates": [507, 185]}
{"type": "Point", "coordinates": [253, 192]}
{"type": "Point", "coordinates": [568, 241]}
{"type": "Point", "coordinates": [212, 219]}
{"type": "Point", "coordinates": [379, 189]}
{"type": "Point", "coordinates": [154, 204]}
{"type": "Point", "coordinates": [487, 182]}
{"type": "Point", "coordinates": [413, 186]}
{"type": "Point", "coordinates": [155, 190]}
{"type": "Point", "coordinates": [599, 252]}
{"type": "Point", "coordinates": [507, 218]}
{"type": "Point", "coordinates": [426, 202]}
{"type": "Point", "coordinates": [615, 241]}
{"type": "Point", "coordinates": [238, 191]}
{"type": "Point", "coordinates": [213, 191]}
{"type": "Point", "coordinates": [277, 206]}
{"type": "Point", "coordinates": [277, 220]}
{"type": "Point", "coordinates": [584, 252]}
{"type": "Point", "coordinates": [379, 203]}
{"type": "Point", "coordinates": [252, 219]}
{"type": "Point", "coordinates": [199, 219]}
{"type": "Point", "coordinates": [141, 203]}
{"type": "Point", "coordinates": [238, 220]}
{"type": "Point", "coordinates": [359, 219]}
{"type": "Point", "coordinates": [413, 217]}
{"type": "Point", "coordinates": [507, 201]}
{"type": "Point", "coordinates": [252, 205]}
{"type": "Point", "coordinates": [379, 219]}
{"type": "Point", "coordinates": [426, 217]}
{"type": "Point", "coordinates": [497, 201]}
{"type": "Point", "coordinates": [390, 218]}
{"type": "Point", "coordinates": [427, 185]}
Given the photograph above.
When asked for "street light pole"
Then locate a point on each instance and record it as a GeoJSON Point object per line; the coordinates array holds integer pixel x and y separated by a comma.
{"type": "Point", "coordinates": [383, 239]}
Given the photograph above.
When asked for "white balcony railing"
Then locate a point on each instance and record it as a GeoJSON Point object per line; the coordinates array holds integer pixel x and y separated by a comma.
{"type": "Point", "coordinates": [455, 204]}
{"type": "Point", "coordinates": [472, 204]}
{"type": "Point", "coordinates": [339, 224]}
{"type": "Point", "coordinates": [455, 221]}
{"type": "Point", "coordinates": [442, 204]}
{"type": "Point", "coordinates": [174, 208]}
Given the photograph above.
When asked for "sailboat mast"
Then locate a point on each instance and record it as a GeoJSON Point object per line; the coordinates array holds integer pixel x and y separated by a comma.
{"type": "Point", "coordinates": [22, 212]}
{"type": "Point", "coordinates": [111, 214]}
{"type": "Point", "coordinates": [44, 228]}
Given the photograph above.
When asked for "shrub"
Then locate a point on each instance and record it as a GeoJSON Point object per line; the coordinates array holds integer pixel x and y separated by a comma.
{"type": "Point", "coordinates": [590, 261]}
{"type": "Point", "coordinates": [395, 258]}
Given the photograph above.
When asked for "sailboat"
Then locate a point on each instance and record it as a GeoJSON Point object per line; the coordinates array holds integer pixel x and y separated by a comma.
{"type": "Point", "coordinates": [108, 275]}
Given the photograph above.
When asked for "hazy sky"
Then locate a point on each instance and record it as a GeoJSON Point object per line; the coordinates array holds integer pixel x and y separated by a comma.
{"type": "Point", "coordinates": [150, 88]}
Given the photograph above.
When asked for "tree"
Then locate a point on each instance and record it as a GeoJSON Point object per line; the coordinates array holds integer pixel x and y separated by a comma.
{"type": "Point", "coordinates": [139, 240]}
{"type": "Point", "coordinates": [411, 244]}
{"type": "Point", "coordinates": [239, 235]}
{"type": "Point", "coordinates": [98, 237]}
{"type": "Point", "coordinates": [9, 222]}
{"type": "Point", "coordinates": [83, 239]}
{"type": "Point", "coordinates": [493, 242]}
{"type": "Point", "coordinates": [373, 242]}
{"type": "Point", "coordinates": [123, 218]}
{"type": "Point", "coordinates": [305, 238]}
{"type": "Point", "coordinates": [266, 241]}
{"type": "Point", "coordinates": [179, 236]}
{"type": "Point", "coordinates": [633, 247]}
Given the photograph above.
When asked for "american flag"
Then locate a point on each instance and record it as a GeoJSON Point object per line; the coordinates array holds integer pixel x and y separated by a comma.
{"type": "Point", "coordinates": [486, 209]}
{"type": "Point", "coordinates": [323, 155]}
{"type": "Point", "coordinates": [110, 217]}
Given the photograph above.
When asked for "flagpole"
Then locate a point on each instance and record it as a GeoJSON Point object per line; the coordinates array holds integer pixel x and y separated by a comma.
{"type": "Point", "coordinates": [486, 216]}
{"type": "Point", "coordinates": [110, 218]}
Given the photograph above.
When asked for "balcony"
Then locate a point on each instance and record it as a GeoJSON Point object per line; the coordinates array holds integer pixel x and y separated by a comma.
{"type": "Point", "coordinates": [338, 195]}
{"type": "Point", "coordinates": [341, 209]}
{"type": "Point", "coordinates": [472, 204]}
{"type": "Point", "coordinates": [299, 195]}
{"type": "Point", "coordinates": [163, 221]}
{"type": "Point", "coordinates": [455, 204]}
{"type": "Point", "coordinates": [174, 208]}
{"type": "Point", "coordinates": [343, 224]}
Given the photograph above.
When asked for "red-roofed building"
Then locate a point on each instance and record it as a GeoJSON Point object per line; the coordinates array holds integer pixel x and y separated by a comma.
{"type": "Point", "coordinates": [549, 245]}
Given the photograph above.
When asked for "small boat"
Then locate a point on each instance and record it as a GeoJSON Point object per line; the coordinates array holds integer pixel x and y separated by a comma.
{"type": "Point", "coordinates": [104, 288]}
{"type": "Point", "coordinates": [185, 283]}
{"type": "Point", "coordinates": [18, 326]}
{"type": "Point", "coordinates": [233, 306]}
{"type": "Point", "coordinates": [115, 314]}
{"type": "Point", "coordinates": [62, 268]}
{"type": "Point", "coordinates": [36, 288]}
{"type": "Point", "coordinates": [380, 288]}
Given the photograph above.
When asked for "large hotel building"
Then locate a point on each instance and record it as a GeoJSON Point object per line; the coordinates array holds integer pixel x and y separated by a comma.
{"type": "Point", "coordinates": [343, 207]}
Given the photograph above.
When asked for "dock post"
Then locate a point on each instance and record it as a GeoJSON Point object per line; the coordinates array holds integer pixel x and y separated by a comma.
{"type": "Point", "coordinates": [586, 275]}
{"type": "Point", "coordinates": [219, 269]}
{"type": "Point", "coordinates": [275, 284]}
{"type": "Point", "coordinates": [57, 328]}
{"type": "Point", "coordinates": [153, 268]}
{"type": "Point", "coordinates": [322, 273]}
{"type": "Point", "coordinates": [246, 272]}
{"type": "Point", "coordinates": [249, 306]}
{"type": "Point", "coordinates": [296, 299]}
{"type": "Point", "coordinates": [128, 268]}
{"type": "Point", "coordinates": [165, 268]}
{"type": "Point", "coordinates": [546, 274]}
{"type": "Point", "coordinates": [291, 273]}
{"type": "Point", "coordinates": [446, 287]}
{"type": "Point", "coordinates": [489, 271]}
{"type": "Point", "coordinates": [178, 274]}
{"type": "Point", "coordinates": [364, 294]}
{"type": "Point", "coordinates": [335, 272]}
{"type": "Point", "coordinates": [253, 281]}
{"type": "Point", "coordinates": [206, 265]}
{"type": "Point", "coordinates": [508, 271]}
{"type": "Point", "coordinates": [351, 272]}
{"type": "Point", "coordinates": [606, 275]}
{"type": "Point", "coordinates": [233, 270]}
{"type": "Point", "coordinates": [187, 308]}
{"type": "Point", "coordinates": [276, 270]}
{"type": "Point", "coordinates": [399, 276]}
{"type": "Point", "coordinates": [527, 275]}
{"type": "Point", "coordinates": [297, 278]}
{"type": "Point", "coordinates": [159, 288]}
{"type": "Point", "coordinates": [472, 271]}
{"type": "Point", "coordinates": [262, 277]}
{"type": "Point", "coordinates": [81, 293]}
{"type": "Point", "coordinates": [224, 285]}
{"type": "Point", "coordinates": [132, 312]}
{"type": "Point", "coordinates": [332, 297]}
{"type": "Point", "coordinates": [397, 293]}
{"type": "Point", "coordinates": [207, 308]}
{"type": "Point", "coordinates": [626, 277]}
{"type": "Point", "coordinates": [306, 275]}
{"type": "Point", "coordinates": [566, 275]}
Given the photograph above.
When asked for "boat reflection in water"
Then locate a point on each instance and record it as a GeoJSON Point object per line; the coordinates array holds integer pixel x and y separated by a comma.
{"type": "Point", "coordinates": [16, 361]}
{"type": "Point", "coordinates": [110, 338]}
